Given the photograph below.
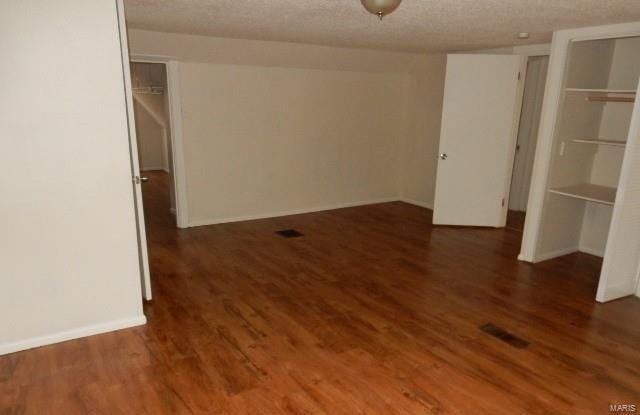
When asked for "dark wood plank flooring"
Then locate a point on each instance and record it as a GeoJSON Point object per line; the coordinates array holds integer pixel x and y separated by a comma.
{"type": "Point", "coordinates": [372, 311]}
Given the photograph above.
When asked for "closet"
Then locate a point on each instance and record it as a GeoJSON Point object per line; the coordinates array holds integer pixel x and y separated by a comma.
{"type": "Point", "coordinates": [585, 192]}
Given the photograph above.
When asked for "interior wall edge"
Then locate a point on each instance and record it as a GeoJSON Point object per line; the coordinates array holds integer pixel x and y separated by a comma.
{"type": "Point", "coordinates": [72, 334]}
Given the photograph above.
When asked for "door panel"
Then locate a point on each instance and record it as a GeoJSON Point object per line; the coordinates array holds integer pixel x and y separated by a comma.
{"type": "Point", "coordinates": [482, 102]}
{"type": "Point", "coordinates": [621, 265]}
{"type": "Point", "coordinates": [145, 274]}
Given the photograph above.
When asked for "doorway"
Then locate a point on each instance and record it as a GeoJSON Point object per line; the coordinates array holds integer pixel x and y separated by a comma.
{"type": "Point", "coordinates": [155, 153]}
{"type": "Point", "coordinates": [533, 96]}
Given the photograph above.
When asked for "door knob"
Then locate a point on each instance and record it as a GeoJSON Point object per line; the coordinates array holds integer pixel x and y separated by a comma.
{"type": "Point", "coordinates": [144, 179]}
{"type": "Point", "coordinates": [443, 156]}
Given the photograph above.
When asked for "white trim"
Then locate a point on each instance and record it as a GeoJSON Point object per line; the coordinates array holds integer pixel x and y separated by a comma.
{"type": "Point", "coordinates": [555, 254]}
{"type": "Point", "coordinates": [426, 205]}
{"type": "Point", "coordinates": [71, 334]}
{"type": "Point", "coordinates": [592, 251]}
{"type": "Point", "coordinates": [277, 214]}
{"type": "Point", "coordinates": [175, 133]}
{"type": "Point", "coordinates": [154, 168]}
{"type": "Point", "coordinates": [614, 292]}
{"type": "Point", "coordinates": [562, 252]}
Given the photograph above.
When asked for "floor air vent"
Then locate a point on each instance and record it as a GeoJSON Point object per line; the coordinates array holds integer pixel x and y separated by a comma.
{"type": "Point", "coordinates": [289, 233]}
{"type": "Point", "coordinates": [505, 336]}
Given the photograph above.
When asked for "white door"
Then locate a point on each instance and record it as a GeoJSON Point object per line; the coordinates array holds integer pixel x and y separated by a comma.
{"type": "Point", "coordinates": [482, 102]}
{"type": "Point", "coordinates": [621, 265]}
{"type": "Point", "coordinates": [145, 275]}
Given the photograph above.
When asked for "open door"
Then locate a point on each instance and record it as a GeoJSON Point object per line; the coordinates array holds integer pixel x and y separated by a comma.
{"type": "Point", "coordinates": [143, 252]}
{"type": "Point", "coordinates": [481, 112]}
{"type": "Point", "coordinates": [621, 265]}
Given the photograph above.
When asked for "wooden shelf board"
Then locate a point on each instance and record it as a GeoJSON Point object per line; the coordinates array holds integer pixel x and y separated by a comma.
{"type": "Point", "coordinates": [587, 191]}
{"type": "Point", "coordinates": [611, 98]}
{"type": "Point", "coordinates": [602, 91]}
{"type": "Point", "coordinates": [601, 142]}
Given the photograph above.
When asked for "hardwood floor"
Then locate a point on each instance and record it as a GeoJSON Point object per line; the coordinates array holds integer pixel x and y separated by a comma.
{"type": "Point", "coordinates": [372, 311]}
{"type": "Point", "coordinates": [515, 220]}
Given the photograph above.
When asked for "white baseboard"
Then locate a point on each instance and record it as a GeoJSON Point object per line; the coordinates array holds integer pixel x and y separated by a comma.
{"type": "Point", "coordinates": [425, 205]}
{"type": "Point", "coordinates": [554, 254]}
{"type": "Point", "coordinates": [591, 251]}
{"type": "Point", "coordinates": [614, 292]}
{"type": "Point", "coordinates": [561, 252]}
{"type": "Point", "coordinates": [71, 334]}
{"type": "Point", "coordinates": [216, 221]}
{"type": "Point", "coordinates": [524, 258]}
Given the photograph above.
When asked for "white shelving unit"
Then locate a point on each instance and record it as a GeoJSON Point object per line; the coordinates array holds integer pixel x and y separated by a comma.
{"type": "Point", "coordinates": [590, 192]}
{"type": "Point", "coordinates": [585, 193]}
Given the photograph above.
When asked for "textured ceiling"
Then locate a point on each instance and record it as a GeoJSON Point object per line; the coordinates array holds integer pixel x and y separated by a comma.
{"type": "Point", "coordinates": [417, 26]}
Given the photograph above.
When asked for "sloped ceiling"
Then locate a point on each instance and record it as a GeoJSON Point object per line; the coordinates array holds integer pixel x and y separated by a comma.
{"type": "Point", "coordinates": [417, 26]}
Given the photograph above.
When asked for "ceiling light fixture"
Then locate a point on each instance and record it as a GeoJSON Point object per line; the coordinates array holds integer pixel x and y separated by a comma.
{"type": "Point", "coordinates": [380, 8]}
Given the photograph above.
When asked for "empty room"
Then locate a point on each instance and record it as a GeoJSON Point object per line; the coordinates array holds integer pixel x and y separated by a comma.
{"type": "Point", "coordinates": [320, 207]}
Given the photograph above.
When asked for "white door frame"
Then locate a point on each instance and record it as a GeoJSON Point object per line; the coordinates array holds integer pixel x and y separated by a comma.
{"type": "Point", "coordinates": [175, 132]}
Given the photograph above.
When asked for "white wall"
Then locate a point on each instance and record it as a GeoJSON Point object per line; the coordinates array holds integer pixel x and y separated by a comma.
{"type": "Point", "coordinates": [419, 160]}
{"type": "Point", "coordinates": [151, 115]}
{"type": "Point", "coordinates": [68, 251]}
{"type": "Point", "coordinates": [270, 141]}
{"type": "Point", "coordinates": [273, 128]}
{"type": "Point", "coordinates": [152, 149]}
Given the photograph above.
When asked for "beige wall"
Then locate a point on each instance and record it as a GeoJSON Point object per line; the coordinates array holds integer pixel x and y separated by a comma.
{"type": "Point", "coordinates": [152, 150]}
{"type": "Point", "coordinates": [420, 145]}
{"type": "Point", "coordinates": [268, 141]}
{"type": "Point", "coordinates": [151, 114]}
{"type": "Point", "coordinates": [274, 128]}
{"type": "Point", "coordinates": [190, 48]}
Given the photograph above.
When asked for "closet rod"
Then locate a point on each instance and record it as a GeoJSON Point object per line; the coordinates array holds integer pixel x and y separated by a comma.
{"type": "Point", "coordinates": [604, 98]}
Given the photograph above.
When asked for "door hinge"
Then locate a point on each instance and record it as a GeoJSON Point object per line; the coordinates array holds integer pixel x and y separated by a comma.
{"type": "Point", "coordinates": [503, 202]}
{"type": "Point", "coordinates": [519, 76]}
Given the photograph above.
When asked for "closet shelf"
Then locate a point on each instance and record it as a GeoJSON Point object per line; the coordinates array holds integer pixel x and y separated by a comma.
{"type": "Point", "coordinates": [607, 95]}
{"type": "Point", "coordinates": [601, 142]}
{"type": "Point", "coordinates": [602, 91]}
{"type": "Point", "coordinates": [587, 191]}
{"type": "Point", "coordinates": [607, 98]}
